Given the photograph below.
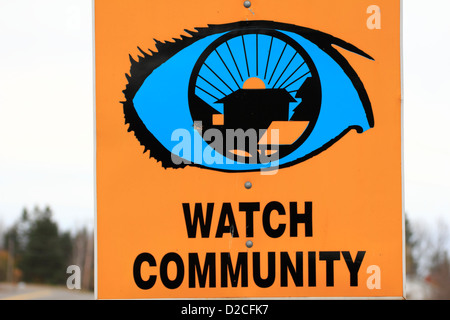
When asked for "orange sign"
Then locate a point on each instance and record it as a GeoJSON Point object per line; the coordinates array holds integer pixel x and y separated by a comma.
{"type": "Point", "coordinates": [248, 151]}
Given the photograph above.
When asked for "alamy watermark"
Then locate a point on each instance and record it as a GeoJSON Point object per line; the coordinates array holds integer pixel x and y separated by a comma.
{"type": "Point", "coordinates": [374, 20]}
{"type": "Point", "coordinates": [74, 280]}
{"type": "Point", "coordinates": [227, 146]}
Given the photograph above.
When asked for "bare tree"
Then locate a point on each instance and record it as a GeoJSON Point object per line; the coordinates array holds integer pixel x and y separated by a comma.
{"type": "Point", "coordinates": [83, 256]}
{"type": "Point", "coordinates": [440, 264]}
{"type": "Point", "coordinates": [431, 251]}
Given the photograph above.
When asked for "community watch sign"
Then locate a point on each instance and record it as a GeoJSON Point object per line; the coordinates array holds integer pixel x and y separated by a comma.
{"type": "Point", "coordinates": [248, 151]}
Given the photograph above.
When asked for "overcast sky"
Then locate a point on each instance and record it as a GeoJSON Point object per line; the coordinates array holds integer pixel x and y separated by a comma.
{"type": "Point", "coordinates": [46, 103]}
{"type": "Point", "coordinates": [46, 109]}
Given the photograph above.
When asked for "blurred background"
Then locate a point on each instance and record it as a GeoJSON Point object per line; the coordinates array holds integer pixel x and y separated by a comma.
{"type": "Point", "coordinates": [47, 204]}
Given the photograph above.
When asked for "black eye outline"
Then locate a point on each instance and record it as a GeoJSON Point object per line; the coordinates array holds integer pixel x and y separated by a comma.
{"type": "Point", "coordinates": [146, 64]}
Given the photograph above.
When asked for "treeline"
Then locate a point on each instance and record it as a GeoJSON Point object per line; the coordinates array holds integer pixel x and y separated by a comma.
{"type": "Point", "coordinates": [34, 250]}
{"type": "Point", "coordinates": [427, 257]}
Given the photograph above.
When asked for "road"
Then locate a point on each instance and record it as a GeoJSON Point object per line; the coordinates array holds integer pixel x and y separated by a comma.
{"type": "Point", "coordinates": [41, 292]}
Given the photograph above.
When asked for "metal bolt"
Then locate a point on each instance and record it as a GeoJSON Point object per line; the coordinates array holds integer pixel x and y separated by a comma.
{"type": "Point", "coordinates": [248, 185]}
{"type": "Point", "coordinates": [247, 4]}
{"type": "Point", "coordinates": [249, 244]}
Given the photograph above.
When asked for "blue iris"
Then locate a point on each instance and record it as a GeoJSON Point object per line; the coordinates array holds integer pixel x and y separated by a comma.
{"type": "Point", "coordinates": [163, 106]}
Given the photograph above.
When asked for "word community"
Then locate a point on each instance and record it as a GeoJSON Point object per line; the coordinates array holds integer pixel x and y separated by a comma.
{"type": "Point", "coordinates": [239, 273]}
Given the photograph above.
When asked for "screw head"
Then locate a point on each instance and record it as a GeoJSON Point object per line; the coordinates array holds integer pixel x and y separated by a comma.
{"type": "Point", "coordinates": [249, 244]}
{"type": "Point", "coordinates": [247, 4]}
{"type": "Point", "coordinates": [248, 185]}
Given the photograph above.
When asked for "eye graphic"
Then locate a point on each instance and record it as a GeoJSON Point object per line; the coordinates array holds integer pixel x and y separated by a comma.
{"type": "Point", "coordinates": [245, 96]}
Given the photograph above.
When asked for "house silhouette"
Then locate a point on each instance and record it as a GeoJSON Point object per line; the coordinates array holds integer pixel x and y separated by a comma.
{"type": "Point", "coordinates": [309, 108]}
{"type": "Point", "coordinates": [255, 108]}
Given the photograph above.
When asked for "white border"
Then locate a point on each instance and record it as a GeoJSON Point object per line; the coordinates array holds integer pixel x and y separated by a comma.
{"type": "Point", "coordinates": [403, 297]}
{"type": "Point", "coordinates": [95, 151]}
{"type": "Point", "coordinates": [402, 151]}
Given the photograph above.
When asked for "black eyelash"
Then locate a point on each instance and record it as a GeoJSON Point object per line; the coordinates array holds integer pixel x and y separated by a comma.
{"type": "Point", "coordinates": [144, 65]}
